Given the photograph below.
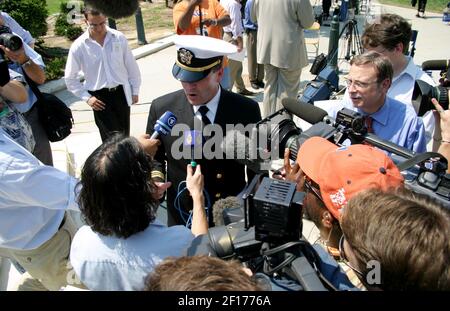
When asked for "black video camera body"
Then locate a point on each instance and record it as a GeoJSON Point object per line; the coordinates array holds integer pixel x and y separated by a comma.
{"type": "Point", "coordinates": [9, 40]}
{"type": "Point", "coordinates": [424, 92]}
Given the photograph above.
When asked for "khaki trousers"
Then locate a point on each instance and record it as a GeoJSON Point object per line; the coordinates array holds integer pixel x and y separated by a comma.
{"type": "Point", "coordinates": [48, 266]}
{"type": "Point", "coordinates": [235, 68]}
{"type": "Point", "coordinates": [279, 83]}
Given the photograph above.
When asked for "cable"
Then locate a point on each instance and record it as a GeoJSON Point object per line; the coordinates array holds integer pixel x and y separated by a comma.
{"type": "Point", "coordinates": [186, 217]}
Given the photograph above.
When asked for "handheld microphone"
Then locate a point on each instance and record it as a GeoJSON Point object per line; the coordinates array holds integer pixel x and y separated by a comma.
{"type": "Point", "coordinates": [164, 125]}
{"type": "Point", "coordinates": [304, 111]}
{"type": "Point", "coordinates": [114, 8]}
{"type": "Point", "coordinates": [192, 139]}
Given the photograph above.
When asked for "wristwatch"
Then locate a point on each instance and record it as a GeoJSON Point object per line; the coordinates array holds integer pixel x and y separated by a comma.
{"type": "Point", "coordinates": [27, 63]}
{"type": "Point", "coordinates": [214, 22]}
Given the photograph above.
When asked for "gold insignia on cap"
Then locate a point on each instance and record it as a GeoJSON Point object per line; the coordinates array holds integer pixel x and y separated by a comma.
{"type": "Point", "coordinates": [186, 56]}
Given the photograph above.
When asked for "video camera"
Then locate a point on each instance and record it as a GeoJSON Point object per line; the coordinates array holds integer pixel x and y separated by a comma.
{"type": "Point", "coordinates": [423, 92]}
{"type": "Point", "coordinates": [267, 237]}
{"type": "Point", "coordinates": [9, 40]}
{"type": "Point", "coordinates": [424, 173]}
{"type": "Point", "coordinates": [266, 233]}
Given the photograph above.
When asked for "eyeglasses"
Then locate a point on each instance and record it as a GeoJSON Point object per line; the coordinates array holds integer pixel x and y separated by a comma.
{"type": "Point", "coordinates": [91, 25]}
{"type": "Point", "coordinates": [358, 84]}
{"type": "Point", "coordinates": [310, 187]}
{"type": "Point", "coordinates": [345, 259]}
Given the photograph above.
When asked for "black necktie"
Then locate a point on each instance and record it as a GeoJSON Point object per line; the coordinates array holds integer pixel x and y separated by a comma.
{"type": "Point", "coordinates": [369, 121]}
{"type": "Point", "coordinates": [203, 111]}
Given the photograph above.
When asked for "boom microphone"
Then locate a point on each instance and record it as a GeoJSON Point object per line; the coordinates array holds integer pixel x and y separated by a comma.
{"type": "Point", "coordinates": [164, 124]}
{"type": "Point", "coordinates": [441, 64]}
{"type": "Point", "coordinates": [114, 8]}
{"type": "Point", "coordinates": [237, 147]}
{"type": "Point", "coordinates": [220, 218]}
{"type": "Point", "coordinates": [304, 111]}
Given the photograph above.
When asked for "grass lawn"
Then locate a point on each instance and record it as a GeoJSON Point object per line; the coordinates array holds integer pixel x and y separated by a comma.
{"type": "Point", "coordinates": [53, 6]}
{"type": "Point", "coordinates": [432, 5]}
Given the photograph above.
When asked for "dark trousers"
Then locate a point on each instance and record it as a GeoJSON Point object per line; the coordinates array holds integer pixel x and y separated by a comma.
{"type": "Point", "coordinates": [422, 5]}
{"type": "Point", "coordinates": [326, 5]}
{"type": "Point", "coordinates": [116, 115]}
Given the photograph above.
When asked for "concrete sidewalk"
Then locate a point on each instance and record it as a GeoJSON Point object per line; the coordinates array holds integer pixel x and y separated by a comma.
{"type": "Point", "coordinates": [156, 60]}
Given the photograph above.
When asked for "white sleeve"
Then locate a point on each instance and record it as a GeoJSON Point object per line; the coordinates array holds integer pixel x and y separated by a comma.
{"type": "Point", "coordinates": [26, 180]}
{"type": "Point", "coordinates": [71, 77]}
{"type": "Point", "coordinates": [134, 74]}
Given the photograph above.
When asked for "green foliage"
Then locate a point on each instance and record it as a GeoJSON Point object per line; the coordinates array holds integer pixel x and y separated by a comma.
{"type": "Point", "coordinates": [30, 14]}
{"type": "Point", "coordinates": [432, 5]}
{"type": "Point", "coordinates": [62, 25]}
{"type": "Point", "coordinates": [73, 32]}
{"type": "Point", "coordinates": [54, 69]}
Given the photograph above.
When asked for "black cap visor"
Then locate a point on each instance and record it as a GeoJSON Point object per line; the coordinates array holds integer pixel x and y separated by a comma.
{"type": "Point", "coordinates": [184, 75]}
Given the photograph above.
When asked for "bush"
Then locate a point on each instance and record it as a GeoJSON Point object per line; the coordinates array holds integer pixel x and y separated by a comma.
{"type": "Point", "coordinates": [54, 69]}
{"type": "Point", "coordinates": [63, 27]}
{"type": "Point", "coordinates": [73, 32]}
{"type": "Point", "coordinates": [30, 14]}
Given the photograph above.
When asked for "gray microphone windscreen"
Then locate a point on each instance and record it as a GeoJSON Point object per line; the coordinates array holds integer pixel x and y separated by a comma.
{"type": "Point", "coordinates": [222, 204]}
{"type": "Point", "coordinates": [304, 111]}
{"type": "Point", "coordinates": [114, 8]}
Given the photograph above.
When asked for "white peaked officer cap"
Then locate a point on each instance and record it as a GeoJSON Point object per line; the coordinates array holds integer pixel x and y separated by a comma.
{"type": "Point", "coordinates": [197, 55]}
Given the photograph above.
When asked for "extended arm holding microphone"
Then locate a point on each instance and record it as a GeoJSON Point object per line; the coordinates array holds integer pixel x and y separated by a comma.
{"type": "Point", "coordinates": [195, 184]}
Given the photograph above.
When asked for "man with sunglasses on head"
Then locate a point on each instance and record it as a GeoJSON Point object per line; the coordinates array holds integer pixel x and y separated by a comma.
{"type": "Point", "coordinates": [368, 83]}
{"type": "Point", "coordinates": [112, 77]}
{"type": "Point", "coordinates": [330, 176]}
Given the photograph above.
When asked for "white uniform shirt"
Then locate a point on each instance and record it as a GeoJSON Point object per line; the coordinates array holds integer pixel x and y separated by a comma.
{"type": "Point", "coordinates": [212, 105]}
{"type": "Point", "coordinates": [33, 197]}
{"type": "Point", "coordinates": [107, 66]}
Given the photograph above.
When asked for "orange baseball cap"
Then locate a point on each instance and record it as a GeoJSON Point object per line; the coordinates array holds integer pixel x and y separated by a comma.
{"type": "Point", "coordinates": [342, 172]}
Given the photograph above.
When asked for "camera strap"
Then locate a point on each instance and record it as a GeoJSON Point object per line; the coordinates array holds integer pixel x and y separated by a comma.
{"type": "Point", "coordinates": [417, 159]}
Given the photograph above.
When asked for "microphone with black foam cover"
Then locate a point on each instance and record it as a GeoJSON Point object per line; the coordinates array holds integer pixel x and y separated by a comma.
{"type": "Point", "coordinates": [164, 125]}
{"type": "Point", "coordinates": [114, 8]}
{"type": "Point", "coordinates": [227, 210]}
{"type": "Point", "coordinates": [304, 111]}
{"type": "Point", "coordinates": [237, 147]}
{"type": "Point", "coordinates": [438, 64]}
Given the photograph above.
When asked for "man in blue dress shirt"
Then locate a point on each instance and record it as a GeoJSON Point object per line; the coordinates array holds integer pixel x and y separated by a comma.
{"type": "Point", "coordinates": [368, 82]}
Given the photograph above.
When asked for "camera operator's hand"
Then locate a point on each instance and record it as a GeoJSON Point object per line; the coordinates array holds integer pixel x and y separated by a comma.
{"type": "Point", "coordinates": [96, 104]}
{"type": "Point", "coordinates": [18, 56]}
{"type": "Point", "coordinates": [150, 145]}
{"type": "Point", "coordinates": [443, 129]}
{"type": "Point", "coordinates": [442, 120]}
{"type": "Point", "coordinates": [292, 172]}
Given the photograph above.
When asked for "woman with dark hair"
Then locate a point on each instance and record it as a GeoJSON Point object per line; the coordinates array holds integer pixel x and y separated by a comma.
{"type": "Point", "coordinates": [123, 241]}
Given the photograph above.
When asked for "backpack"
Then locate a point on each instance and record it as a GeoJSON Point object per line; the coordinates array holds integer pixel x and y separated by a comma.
{"type": "Point", "coordinates": [55, 117]}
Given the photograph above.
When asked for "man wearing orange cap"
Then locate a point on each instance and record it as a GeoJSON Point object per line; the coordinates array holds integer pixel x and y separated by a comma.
{"type": "Point", "coordinates": [331, 175]}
